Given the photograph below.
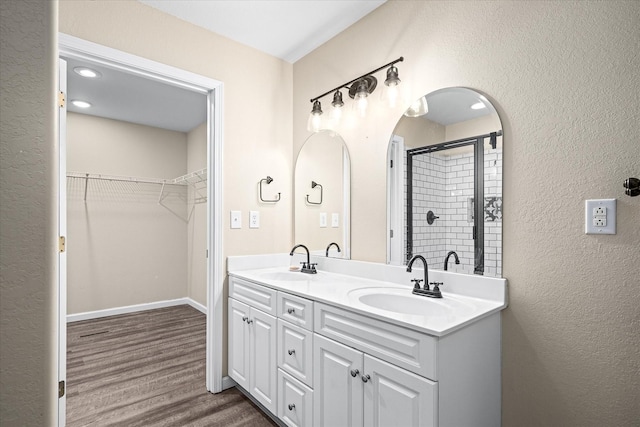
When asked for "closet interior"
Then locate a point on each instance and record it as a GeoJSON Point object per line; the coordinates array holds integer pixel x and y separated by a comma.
{"type": "Point", "coordinates": [136, 213]}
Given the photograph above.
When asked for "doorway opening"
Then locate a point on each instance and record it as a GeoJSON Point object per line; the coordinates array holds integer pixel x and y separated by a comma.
{"type": "Point", "coordinates": [78, 50]}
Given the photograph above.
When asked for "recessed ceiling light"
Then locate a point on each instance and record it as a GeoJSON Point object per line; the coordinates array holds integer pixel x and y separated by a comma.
{"type": "Point", "coordinates": [478, 106]}
{"type": "Point", "coordinates": [87, 72]}
{"type": "Point", "coordinates": [81, 104]}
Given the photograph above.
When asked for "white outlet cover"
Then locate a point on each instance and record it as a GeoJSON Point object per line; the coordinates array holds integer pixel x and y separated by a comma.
{"type": "Point", "coordinates": [335, 220]}
{"type": "Point", "coordinates": [594, 215]}
{"type": "Point", "coordinates": [254, 219]}
{"type": "Point", "coordinates": [323, 219]}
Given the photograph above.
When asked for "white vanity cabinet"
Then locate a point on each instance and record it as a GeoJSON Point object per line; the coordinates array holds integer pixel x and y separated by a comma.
{"type": "Point", "coordinates": [253, 339]}
{"type": "Point", "coordinates": [353, 388]}
{"type": "Point", "coordinates": [312, 359]}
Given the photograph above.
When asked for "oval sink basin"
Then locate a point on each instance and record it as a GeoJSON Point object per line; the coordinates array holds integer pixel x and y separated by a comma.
{"type": "Point", "coordinates": [403, 301]}
{"type": "Point", "coordinates": [286, 276]}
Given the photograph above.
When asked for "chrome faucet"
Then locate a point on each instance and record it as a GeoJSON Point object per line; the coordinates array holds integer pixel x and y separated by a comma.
{"type": "Point", "coordinates": [446, 260]}
{"type": "Point", "coordinates": [328, 247]}
{"type": "Point", "coordinates": [307, 267]}
{"type": "Point", "coordinates": [425, 291]}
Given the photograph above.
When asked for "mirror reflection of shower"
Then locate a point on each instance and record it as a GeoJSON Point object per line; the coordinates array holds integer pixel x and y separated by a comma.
{"type": "Point", "coordinates": [443, 161]}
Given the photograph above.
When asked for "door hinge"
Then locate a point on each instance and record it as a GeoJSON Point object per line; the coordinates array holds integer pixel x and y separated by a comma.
{"type": "Point", "coordinates": [61, 99]}
{"type": "Point", "coordinates": [60, 389]}
{"type": "Point", "coordinates": [61, 244]}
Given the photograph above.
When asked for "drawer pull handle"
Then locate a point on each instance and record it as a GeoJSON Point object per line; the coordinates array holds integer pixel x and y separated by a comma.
{"type": "Point", "coordinates": [365, 378]}
{"type": "Point", "coordinates": [291, 352]}
{"type": "Point", "coordinates": [354, 373]}
{"type": "Point", "coordinates": [292, 406]}
{"type": "Point", "coordinates": [249, 322]}
{"type": "Point", "coordinates": [291, 310]}
{"type": "Point", "coordinates": [245, 318]}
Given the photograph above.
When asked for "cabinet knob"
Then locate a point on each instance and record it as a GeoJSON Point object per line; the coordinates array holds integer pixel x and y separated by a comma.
{"type": "Point", "coordinates": [291, 310]}
{"type": "Point", "coordinates": [365, 378]}
{"type": "Point", "coordinates": [292, 406]}
{"type": "Point", "coordinates": [354, 373]}
{"type": "Point", "coordinates": [245, 318]}
{"type": "Point", "coordinates": [291, 352]}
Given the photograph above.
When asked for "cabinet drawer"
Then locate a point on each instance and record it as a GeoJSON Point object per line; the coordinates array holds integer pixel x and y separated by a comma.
{"type": "Point", "coordinates": [296, 310]}
{"type": "Point", "coordinates": [254, 295]}
{"type": "Point", "coordinates": [295, 351]}
{"type": "Point", "coordinates": [295, 401]}
{"type": "Point", "coordinates": [409, 349]}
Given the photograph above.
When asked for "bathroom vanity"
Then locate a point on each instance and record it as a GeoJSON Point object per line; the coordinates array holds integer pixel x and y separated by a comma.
{"type": "Point", "coordinates": [351, 346]}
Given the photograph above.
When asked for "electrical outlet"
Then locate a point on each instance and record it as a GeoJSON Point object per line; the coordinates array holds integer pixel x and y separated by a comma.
{"type": "Point", "coordinates": [599, 222]}
{"type": "Point", "coordinates": [323, 219]}
{"type": "Point", "coordinates": [335, 220]}
{"type": "Point", "coordinates": [600, 216]}
{"type": "Point", "coordinates": [254, 219]}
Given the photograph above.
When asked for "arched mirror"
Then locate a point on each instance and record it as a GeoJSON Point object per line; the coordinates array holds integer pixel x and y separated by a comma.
{"type": "Point", "coordinates": [322, 190]}
{"type": "Point", "coordinates": [445, 184]}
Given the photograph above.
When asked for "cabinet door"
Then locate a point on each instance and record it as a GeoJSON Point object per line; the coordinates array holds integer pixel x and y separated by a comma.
{"type": "Point", "coordinates": [239, 342]}
{"type": "Point", "coordinates": [396, 397]}
{"type": "Point", "coordinates": [263, 381]}
{"type": "Point", "coordinates": [337, 394]}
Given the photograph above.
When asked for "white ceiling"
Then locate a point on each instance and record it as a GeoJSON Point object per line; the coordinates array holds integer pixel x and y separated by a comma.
{"type": "Point", "coordinates": [285, 29]}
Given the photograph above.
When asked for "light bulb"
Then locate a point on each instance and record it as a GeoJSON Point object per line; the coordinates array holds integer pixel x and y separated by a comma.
{"type": "Point", "coordinates": [315, 118]}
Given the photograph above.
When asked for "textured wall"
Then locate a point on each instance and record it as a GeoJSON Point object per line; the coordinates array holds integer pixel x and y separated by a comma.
{"type": "Point", "coordinates": [28, 214]}
{"type": "Point", "coordinates": [564, 78]}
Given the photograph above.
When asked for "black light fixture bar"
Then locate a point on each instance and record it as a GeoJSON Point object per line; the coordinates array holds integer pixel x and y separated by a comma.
{"type": "Point", "coordinates": [344, 85]}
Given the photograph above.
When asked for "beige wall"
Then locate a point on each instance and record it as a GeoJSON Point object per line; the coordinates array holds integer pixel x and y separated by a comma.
{"type": "Point", "coordinates": [28, 213]}
{"type": "Point", "coordinates": [197, 226]}
{"type": "Point", "coordinates": [123, 247]}
{"type": "Point", "coordinates": [255, 145]}
{"type": "Point", "coordinates": [564, 78]}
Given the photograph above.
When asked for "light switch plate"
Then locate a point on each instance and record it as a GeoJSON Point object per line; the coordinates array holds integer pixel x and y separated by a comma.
{"type": "Point", "coordinates": [600, 216]}
{"type": "Point", "coordinates": [236, 219]}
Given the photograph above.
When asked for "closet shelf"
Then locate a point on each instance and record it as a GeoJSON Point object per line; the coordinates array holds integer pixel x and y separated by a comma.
{"type": "Point", "coordinates": [197, 180]}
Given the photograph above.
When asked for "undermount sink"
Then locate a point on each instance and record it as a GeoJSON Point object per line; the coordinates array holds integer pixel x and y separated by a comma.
{"type": "Point", "coordinates": [403, 301]}
{"type": "Point", "coordinates": [286, 276]}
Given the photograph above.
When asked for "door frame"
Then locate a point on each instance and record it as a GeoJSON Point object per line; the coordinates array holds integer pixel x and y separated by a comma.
{"type": "Point", "coordinates": [395, 201]}
{"type": "Point", "coordinates": [76, 48]}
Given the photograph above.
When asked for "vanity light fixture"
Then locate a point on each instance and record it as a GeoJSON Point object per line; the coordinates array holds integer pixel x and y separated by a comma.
{"type": "Point", "coordinates": [359, 89]}
{"type": "Point", "coordinates": [87, 72]}
{"type": "Point", "coordinates": [81, 104]}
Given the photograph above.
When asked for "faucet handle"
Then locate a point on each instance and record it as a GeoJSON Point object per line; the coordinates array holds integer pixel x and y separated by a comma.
{"type": "Point", "coordinates": [416, 283]}
{"type": "Point", "coordinates": [304, 264]}
{"type": "Point", "coordinates": [312, 265]}
{"type": "Point", "coordinates": [436, 286]}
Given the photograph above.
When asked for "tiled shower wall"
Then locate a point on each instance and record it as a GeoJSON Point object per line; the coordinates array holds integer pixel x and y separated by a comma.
{"type": "Point", "coordinates": [444, 185]}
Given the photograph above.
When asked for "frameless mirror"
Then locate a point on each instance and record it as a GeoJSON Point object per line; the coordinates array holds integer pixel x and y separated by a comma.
{"type": "Point", "coordinates": [322, 195]}
{"type": "Point", "coordinates": [441, 163]}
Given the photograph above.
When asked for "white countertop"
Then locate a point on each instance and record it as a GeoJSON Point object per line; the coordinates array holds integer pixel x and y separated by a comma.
{"type": "Point", "coordinates": [439, 317]}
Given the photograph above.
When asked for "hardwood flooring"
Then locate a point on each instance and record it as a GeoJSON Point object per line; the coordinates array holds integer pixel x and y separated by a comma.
{"type": "Point", "coordinates": [147, 369]}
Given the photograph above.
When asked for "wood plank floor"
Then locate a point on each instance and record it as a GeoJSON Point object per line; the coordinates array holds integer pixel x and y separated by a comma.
{"type": "Point", "coordinates": [147, 369]}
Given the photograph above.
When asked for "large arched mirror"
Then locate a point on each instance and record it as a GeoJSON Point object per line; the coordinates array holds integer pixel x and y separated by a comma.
{"type": "Point", "coordinates": [322, 190]}
{"type": "Point", "coordinates": [445, 184]}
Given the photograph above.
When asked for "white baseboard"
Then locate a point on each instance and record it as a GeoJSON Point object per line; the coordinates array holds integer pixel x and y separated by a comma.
{"type": "Point", "coordinates": [135, 308]}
